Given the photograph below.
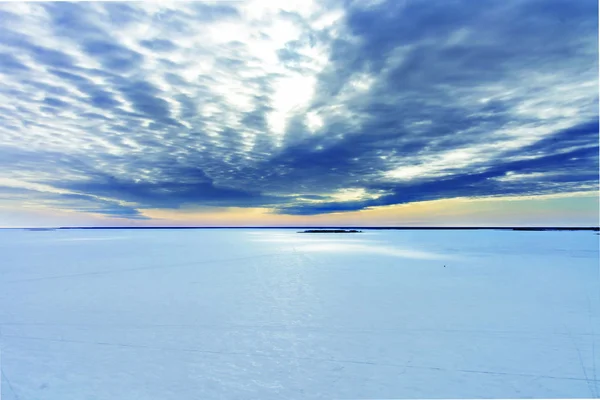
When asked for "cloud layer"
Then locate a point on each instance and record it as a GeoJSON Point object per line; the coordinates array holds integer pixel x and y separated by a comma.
{"type": "Point", "coordinates": [114, 108]}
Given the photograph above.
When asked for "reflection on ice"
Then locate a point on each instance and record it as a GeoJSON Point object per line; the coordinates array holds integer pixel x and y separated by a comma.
{"type": "Point", "coordinates": [305, 239]}
{"type": "Point", "coordinates": [372, 248]}
{"type": "Point", "coordinates": [344, 244]}
{"type": "Point", "coordinates": [75, 239]}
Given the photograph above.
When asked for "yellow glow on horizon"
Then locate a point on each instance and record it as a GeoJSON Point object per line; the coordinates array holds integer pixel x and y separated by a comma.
{"type": "Point", "coordinates": [540, 210]}
{"type": "Point", "coordinates": [574, 209]}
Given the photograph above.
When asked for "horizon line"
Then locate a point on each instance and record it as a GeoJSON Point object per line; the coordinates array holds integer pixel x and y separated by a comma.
{"type": "Point", "coordinates": [594, 228]}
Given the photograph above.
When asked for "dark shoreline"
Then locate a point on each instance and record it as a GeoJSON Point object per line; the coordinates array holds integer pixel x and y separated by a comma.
{"type": "Point", "coordinates": [545, 228]}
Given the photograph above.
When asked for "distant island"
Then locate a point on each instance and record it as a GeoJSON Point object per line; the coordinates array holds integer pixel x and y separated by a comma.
{"type": "Point", "coordinates": [331, 231]}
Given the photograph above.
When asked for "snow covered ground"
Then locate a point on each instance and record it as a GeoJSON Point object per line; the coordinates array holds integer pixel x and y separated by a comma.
{"type": "Point", "coordinates": [273, 314]}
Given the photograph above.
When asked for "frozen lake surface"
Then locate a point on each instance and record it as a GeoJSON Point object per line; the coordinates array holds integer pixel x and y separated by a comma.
{"type": "Point", "coordinates": [273, 314]}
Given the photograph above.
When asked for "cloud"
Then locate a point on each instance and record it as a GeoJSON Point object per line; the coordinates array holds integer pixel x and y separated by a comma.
{"type": "Point", "coordinates": [119, 107]}
{"type": "Point", "coordinates": [42, 196]}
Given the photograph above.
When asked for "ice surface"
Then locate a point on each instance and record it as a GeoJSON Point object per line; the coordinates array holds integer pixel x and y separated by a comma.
{"type": "Point", "coordinates": [273, 314]}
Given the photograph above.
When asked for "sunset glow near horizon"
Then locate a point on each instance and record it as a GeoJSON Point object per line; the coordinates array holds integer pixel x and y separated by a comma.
{"type": "Point", "coordinates": [300, 113]}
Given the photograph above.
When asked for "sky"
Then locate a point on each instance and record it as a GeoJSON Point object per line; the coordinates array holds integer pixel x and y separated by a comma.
{"type": "Point", "coordinates": [299, 113]}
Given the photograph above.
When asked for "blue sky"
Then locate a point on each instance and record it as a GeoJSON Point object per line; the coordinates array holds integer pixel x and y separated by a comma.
{"type": "Point", "coordinates": [298, 112]}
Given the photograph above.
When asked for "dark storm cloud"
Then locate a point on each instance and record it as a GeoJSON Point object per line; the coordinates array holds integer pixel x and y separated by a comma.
{"type": "Point", "coordinates": [565, 167]}
{"type": "Point", "coordinates": [557, 167]}
{"type": "Point", "coordinates": [195, 188]}
{"type": "Point", "coordinates": [136, 107]}
{"type": "Point", "coordinates": [76, 202]}
{"type": "Point", "coordinates": [90, 204]}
